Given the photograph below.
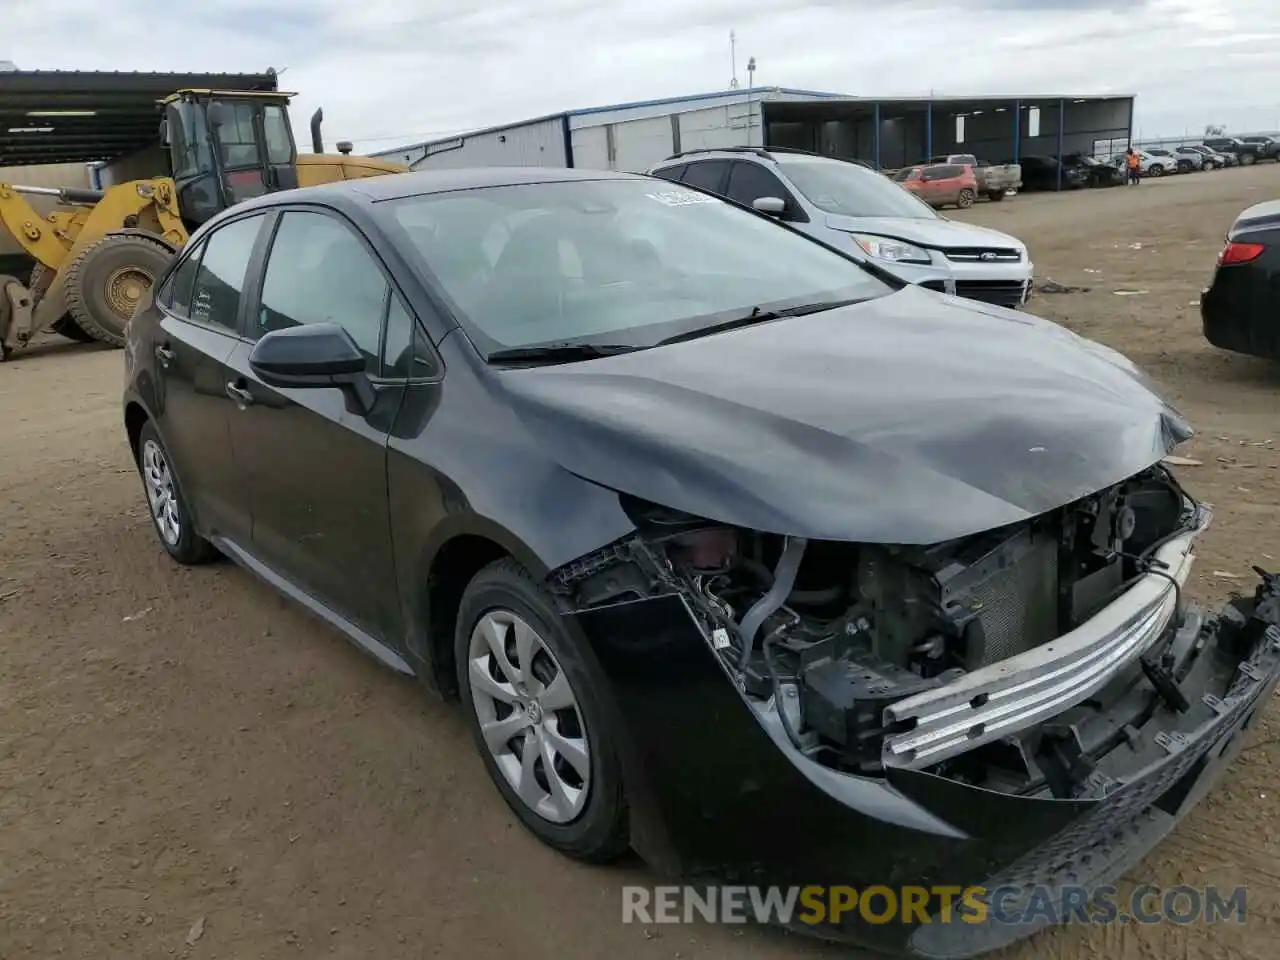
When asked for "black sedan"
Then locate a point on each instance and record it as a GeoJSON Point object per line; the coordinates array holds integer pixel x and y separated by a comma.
{"type": "Point", "coordinates": [734, 551]}
{"type": "Point", "coordinates": [1240, 309]}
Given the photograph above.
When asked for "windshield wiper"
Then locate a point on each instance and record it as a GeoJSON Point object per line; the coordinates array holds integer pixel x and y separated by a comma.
{"type": "Point", "coordinates": [760, 316]}
{"type": "Point", "coordinates": [558, 352]}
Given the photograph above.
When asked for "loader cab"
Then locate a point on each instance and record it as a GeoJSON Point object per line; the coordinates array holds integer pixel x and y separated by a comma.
{"type": "Point", "coordinates": [227, 146]}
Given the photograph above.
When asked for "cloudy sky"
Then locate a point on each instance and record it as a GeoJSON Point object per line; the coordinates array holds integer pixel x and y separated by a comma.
{"type": "Point", "coordinates": [393, 72]}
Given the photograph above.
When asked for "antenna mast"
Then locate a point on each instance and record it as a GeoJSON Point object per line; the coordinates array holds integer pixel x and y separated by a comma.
{"type": "Point", "coordinates": [733, 61]}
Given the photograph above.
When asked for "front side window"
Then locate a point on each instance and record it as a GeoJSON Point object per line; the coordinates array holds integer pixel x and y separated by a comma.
{"type": "Point", "coordinates": [625, 262]}
{"type": "Point", "coordinates": [319, 271]}
{"type": "Point", "coordinates": [846, 188]}
{"type": "Point", "coordinates": [748, 182]}
{"type": "Point", "coordinates": [219, 281]}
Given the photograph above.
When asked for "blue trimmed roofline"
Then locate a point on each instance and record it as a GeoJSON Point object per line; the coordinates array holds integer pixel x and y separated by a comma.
{"type": "Point", "coordinates": [716, 95]}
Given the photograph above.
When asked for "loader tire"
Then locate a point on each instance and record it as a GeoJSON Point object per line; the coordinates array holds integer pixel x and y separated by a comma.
{"type": "Point", "coordinates": [107, 280]}
{"type": "Point", "coordinates": [66, 325]}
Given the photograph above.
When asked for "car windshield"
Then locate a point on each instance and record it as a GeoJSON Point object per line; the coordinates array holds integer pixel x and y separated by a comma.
{"type": "Point", "coordinates": [846, 188]}
{"type": "Point", "coordinates": [617, 262]}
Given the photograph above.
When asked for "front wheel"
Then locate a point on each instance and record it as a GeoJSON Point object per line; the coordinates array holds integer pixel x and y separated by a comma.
{"type": "Point", "coordinates": [537, 716]}
{"type": "Point", "coordinates": [995, 196]}
{"type": "Point", "coordinates": [965, 199]}
{"type": "Point", "coordinates": [1155, 170]}
{"type": "Point", "coordinates": [1246, 159]}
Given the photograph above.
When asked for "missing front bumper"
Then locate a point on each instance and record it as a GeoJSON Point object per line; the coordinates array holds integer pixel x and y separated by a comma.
{"type": "Point", "coordinates": [1012, 695]}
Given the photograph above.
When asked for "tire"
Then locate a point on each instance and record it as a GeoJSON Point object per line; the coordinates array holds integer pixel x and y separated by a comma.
{"type": "Point", "coordinates": [1185, 166]}
{"type": "Point", "coordinates": [995, 196]}
{"type": "Point", "coordinates": [965, 200]}
{"type": "Point", "coordinates": [1247, 159]}
{"type": "Point", "coordinates": [66, 325]}
{"type": "Point", "coordinates": [107, 279]}
{"type": "Point", "coordinates": [1155, 170]}
{"type": "Point", "coordinates": [68, 328]}
{"type": "Point", "coordinates": [590, 820]}
{"type": "Point", "coordinates": [166, 504]}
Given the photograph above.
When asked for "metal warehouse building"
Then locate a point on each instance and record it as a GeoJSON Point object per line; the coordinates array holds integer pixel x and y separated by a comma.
{"type": "Point", "coordinates": [883, 133]}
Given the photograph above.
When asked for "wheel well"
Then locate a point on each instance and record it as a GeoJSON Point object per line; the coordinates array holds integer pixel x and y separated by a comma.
{"type": "Point", "coordinates": [135, 419]}
{"type": "Point", "coordinates": [454, 567]}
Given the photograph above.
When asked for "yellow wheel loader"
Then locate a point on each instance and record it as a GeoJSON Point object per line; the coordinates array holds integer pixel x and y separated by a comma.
{"type": "Point", "coordinates": [99, 251]}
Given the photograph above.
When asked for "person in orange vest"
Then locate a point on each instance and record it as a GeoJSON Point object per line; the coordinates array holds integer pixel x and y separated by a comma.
{"type": "Point", "coordinates": [1134, 163]}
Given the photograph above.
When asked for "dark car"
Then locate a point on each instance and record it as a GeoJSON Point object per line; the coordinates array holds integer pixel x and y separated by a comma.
{"type": "Point", "coordinates": [1246, 154]}
{"type": "Point", "coordinates": [1042, 173]}
{"type": "Point", "coordinates": [1241, 306]}
{"type": "Point", "coordinates": [1097, 173]}
{"type": "Point", "coordinates": [1268, 147]}
{"type": "Point", "coordinates": [733, 550]}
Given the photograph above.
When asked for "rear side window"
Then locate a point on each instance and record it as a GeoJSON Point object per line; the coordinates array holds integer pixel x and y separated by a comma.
{"type": "Point", "coordinates": [176, 296]}
{"type": "Point", "coordinates": [706, 174]}
{"type": "Point", "coordinates": [671, 173]}
{"type": "Point", "coordinates": [219, 281]}
{"type": "Point", "coordinates": [319, 271]}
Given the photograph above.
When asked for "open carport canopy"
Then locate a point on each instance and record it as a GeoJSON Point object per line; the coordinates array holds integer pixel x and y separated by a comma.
{"type": "Point", "coordinates": [56, 116]}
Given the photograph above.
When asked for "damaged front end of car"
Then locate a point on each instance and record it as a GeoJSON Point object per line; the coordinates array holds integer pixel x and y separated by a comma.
{"type": "Point", "coordinates": [1035, 704]}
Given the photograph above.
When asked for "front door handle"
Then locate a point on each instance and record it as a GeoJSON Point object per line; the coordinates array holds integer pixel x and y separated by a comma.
{"type": "Point", "coordinates": [165, 355]}
{"type": "Point", "coordinates": [239, 394]}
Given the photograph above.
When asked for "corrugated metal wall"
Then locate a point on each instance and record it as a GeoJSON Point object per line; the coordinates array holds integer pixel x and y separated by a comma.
{"type": "Point", "coordinates": [536, 144]}
{"type": "Point", "coordinates": [45, 175]}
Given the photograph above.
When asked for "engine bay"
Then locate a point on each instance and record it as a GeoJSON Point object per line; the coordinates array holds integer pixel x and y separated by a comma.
{"type": "Point", "coordinates": [827, 635]}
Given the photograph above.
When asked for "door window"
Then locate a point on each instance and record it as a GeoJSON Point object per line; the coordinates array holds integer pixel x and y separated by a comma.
{"type": "Point", "coordinates": [219, 280]}
{"type": "Point", "coordinates": [319, 271]}
{"type": "Point", "coordinates": [708, 174]}
{"type": "Point", "coordinates": [275, 127]}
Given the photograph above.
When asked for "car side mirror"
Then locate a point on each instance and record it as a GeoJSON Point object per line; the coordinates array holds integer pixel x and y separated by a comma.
{"type": "Point", "coordinates": [773, 206]}
{"type": "Point", "coordinates": [310, 356]}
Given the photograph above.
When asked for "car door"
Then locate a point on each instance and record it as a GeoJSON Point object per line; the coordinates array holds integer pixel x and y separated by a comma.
{"type": "Point", "coordinates": [199, 328]}
{"type": "Point", "coordinates": [935, 187]}
{"type": "Point", "coordinates": [749, 182]}
{"type": "Point", "coordinates": [315, 463]}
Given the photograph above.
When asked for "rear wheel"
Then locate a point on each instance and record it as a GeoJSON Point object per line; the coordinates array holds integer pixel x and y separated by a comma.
{"type": "Point", "coordinates": [965, 199]}
{"type": "Point", "coordinates": [995, 196]}
{"type": "Point", "coordinates": [537, 717]}
{"type": "Point", "coordinates": [165, 501]}
{"type": "Point", "coordinates": [107, 280]}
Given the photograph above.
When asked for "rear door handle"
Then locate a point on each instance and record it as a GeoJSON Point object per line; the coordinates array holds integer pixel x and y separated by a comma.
{"type": "Point", "coordinates": [165, 355]}
{"type": "Point", "coordinates": [239, 394]}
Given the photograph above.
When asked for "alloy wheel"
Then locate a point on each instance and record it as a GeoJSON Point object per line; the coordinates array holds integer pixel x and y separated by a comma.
{"type": "Point", "coordinates": [161, 493]}
{"type": "Point", "coordinates": [529, 716]}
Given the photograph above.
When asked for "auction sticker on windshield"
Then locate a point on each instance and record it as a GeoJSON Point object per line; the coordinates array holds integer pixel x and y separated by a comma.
{"type": "Point", "coordinates": [680, 198]}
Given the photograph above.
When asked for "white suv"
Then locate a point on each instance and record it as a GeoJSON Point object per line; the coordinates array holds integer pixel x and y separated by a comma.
{"type": "Point", "coordinates": [851, 207]}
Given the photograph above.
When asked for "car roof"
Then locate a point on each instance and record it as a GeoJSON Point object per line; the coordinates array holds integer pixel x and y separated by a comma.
{"type": "Point", "coordinates": [393, 186]}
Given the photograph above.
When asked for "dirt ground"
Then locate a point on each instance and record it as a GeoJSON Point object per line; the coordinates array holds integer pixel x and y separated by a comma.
{"type": "Point", "coordinates": [182, 752]}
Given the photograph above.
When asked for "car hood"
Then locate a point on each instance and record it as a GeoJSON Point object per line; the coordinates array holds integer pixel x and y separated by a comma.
{"type": "Point", "coordinates": [912, 418]}
{"type": "Point", "coordinates": [929, 233]}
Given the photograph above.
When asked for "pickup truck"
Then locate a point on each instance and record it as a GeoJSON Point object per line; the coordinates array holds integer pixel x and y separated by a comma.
{"type": "Point", "coordinates": [995, 180]}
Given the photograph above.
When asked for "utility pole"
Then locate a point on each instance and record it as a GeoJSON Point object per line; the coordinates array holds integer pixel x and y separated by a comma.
{"type": "Point", "coordinates": [733, 61]}
{"type": "Point", "coordinates": [751, 90]}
